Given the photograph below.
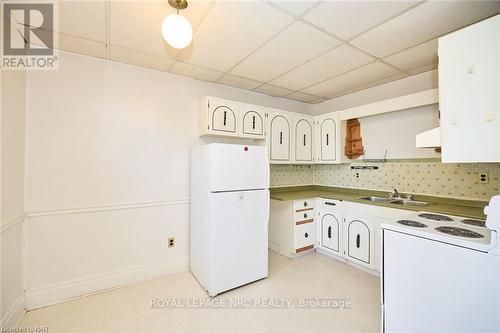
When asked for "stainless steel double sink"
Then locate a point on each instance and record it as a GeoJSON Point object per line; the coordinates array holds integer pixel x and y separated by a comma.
{"type": "Point", "coordinates": [397, 201]}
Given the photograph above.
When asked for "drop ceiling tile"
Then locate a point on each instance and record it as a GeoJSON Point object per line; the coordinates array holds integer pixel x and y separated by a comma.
{"type": "Point", "coordinates": [319, 100]}
{"type": "Point", "coordinates": [425, 22]}
{"type": "Point", "coordinates": [296, 8]}
{"type": "Point", "coordinates": [82, 46]}
{"type": "Point", "coordinates": [79, 18]}
{"type": "Point", "coordinates": [371, 84]}
{"type": "Point", "coordinates": [415, 57]}
{"type": "Point", "coordinates": [273, 90]}
{"type": "Point", "coordinates": [301, 97]}
{"type": "Point", "coordinates": [239, 82]}
{"type": "Point", "coordinates": [231, 31]}
{"type": "Point", "coordinates": [85, 19]}
{"type": "Point", "coordinates": [195, 72]}
{"type": "Point", "coordinates": [334, 62]}
{"type": "Point", "coordinates": [346, 19]}
{"type": "Point", "coordinates": [350, 80]}
{"type": "Point", "coordinates": [137, 24]}
{"type": "Point", "coordinates": [78, 45]}
{"type": "Point", "coordinates": [133, 57]}
{"type": "Point", "coordinates": [423, 69]}
{"type": "Point", "coordinates": [296, 44]}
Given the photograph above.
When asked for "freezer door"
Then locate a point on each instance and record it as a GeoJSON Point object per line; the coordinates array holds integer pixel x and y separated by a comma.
{"type": "Point", "coordinates": [239, 234]}
{"type": "Point", "coordinates": [238, 167]}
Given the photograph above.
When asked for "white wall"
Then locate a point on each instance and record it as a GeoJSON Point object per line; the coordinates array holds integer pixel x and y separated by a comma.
{"type": "Point", "coordinates": [108, 173]}
{"type": "Point", "coordinates": [393, 131]}
{"type": "Point", "coordinates": [396, 132]}
{"type": "Point", "coordinates": [13, 96]}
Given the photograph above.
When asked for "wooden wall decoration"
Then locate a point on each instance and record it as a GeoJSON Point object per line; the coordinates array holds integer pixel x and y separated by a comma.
{"type": "Point", "coordinates": [353, 142]}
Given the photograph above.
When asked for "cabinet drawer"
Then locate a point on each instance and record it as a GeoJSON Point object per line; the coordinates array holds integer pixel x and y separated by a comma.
{"type": "Point", "coordinates": [304, 237]}
{"type": "Point", "coordinates": [303, 205]}
{"type": "Point", "coordinates": [303, 215]}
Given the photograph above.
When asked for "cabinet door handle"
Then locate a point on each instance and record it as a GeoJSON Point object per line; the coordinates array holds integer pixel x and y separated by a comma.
{"type": "Point", "coordinates": [358, 241]}
{"type": "Point", "coordinates": [329, 232]}
{"type": "Point", "coordinates": [253, 122]}
{"type": "Point", "coordinates": [304, 139]}
{"type": "Point", "coordinates": [281, 138]}
{"type": "Point", "coordinates": [327, 139]}
{"type": "Point", "coordinates": [225, 118]}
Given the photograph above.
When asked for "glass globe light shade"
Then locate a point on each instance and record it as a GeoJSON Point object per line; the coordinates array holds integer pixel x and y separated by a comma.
{"type": "Point", "coordinates": [177, 31]}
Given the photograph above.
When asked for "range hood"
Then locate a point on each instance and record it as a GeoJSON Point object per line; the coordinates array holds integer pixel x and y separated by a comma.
{"type": "Point", "coordinates": [429, 139]}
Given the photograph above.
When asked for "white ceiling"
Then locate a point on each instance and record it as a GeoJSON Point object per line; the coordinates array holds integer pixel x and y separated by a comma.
{"type": "Point", "coordinates": [303, 50]}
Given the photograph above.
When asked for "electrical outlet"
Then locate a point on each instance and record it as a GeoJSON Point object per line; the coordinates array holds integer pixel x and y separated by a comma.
{"type": "Point", "coordinates": [171, 242]}
{"type": "Point", "coordinates": [483, 178]}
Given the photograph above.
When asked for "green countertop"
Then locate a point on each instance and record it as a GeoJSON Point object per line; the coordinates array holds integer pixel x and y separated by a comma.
{"type": "Point", "coordinates": [458, 207]}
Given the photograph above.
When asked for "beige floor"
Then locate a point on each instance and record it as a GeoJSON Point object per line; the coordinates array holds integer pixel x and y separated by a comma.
{"type": "Point", "coordinates": [312, 276]}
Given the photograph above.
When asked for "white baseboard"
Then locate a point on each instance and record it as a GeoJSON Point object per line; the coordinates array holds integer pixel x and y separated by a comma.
{"type": "Point", "coordinates": [64, 291]}
{"type": "Point", "coordinates": [16, 312]}
{"type": "Point", "coordinates": [273, 247]}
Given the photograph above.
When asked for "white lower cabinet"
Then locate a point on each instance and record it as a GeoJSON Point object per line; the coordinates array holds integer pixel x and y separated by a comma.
{"type": "Point", "coordinates": [292, 228]}
{"type": "Point", "coordinates": [344, 230]}
{"type": "Point", "coordinates": [359, 240]}
{"type": "Point", "coordinates": [330, 232]}
{"type": "Point", "coordinates": [330, 227]}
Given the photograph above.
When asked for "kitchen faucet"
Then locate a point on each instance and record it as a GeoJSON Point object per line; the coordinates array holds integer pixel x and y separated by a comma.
{"type": "Point", "coordinates": [396, 194]}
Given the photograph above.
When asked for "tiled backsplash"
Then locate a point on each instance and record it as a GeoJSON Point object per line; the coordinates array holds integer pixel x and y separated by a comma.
{"type": "Point", "coordinates": [422, 177]}
{"type": "Point", "coordinates": [291, 175]}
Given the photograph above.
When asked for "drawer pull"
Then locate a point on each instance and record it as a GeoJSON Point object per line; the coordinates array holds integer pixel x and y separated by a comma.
{"type": "Point", "coordinates": [305, 215]}
{"type": "Point", "coordinates": [304, 221]}
{"type": "Point", "coordinates": [306, 235]}
{"type": "Point", "coordinates": [330, 203]}
{"type": "Point", "coordinates": [305, 204]}
{"type": "Point", "coordinates": [305, 248]}
{"type": "Point", "coordinates": [358, 241]}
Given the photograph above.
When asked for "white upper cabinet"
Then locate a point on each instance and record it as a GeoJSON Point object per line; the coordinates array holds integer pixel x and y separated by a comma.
{"type": "Point", "coordinates": [328, 138]}
{"type": "Point", "coordinates": [290, 137]}
{"type": "Point", "coordinates": [252, 121]}
{"type": "Point", "coordinates": [469, 90]}
{"type": "Point", "coordinates": [303, 139]}
{"type": "Point", "coordinates": [279, 136]}
{"type": "Point", "coordinates": [219, 117]}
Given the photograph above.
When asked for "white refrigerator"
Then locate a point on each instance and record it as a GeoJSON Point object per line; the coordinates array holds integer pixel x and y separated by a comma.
{"type": "Point", "coordinates": [229, 215]}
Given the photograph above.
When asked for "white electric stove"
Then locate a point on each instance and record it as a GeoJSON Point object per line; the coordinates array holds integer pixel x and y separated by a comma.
{"type": "Point", "coordinates": [441, 273]}
{"type": "Point", "coordinates": [460, 231]}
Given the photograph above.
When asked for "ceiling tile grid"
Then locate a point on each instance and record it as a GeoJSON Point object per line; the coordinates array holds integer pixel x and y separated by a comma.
{"type": "Point", "coordinates": [302, 50]}
{"type": "Point", "coordinates": [296, 44]}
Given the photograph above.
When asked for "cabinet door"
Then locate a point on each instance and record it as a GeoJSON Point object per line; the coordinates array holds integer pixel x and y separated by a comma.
{"type": "Point", "coordinates": [303, 134]}
{"type": "Point", "coordinates": [469, 86]}
{"type": "Point", "coordinates": [359, 241]}
{"type": "Point", "coordinates": [223, 116]}
{"type": "Point", "coordinates": [331, 229]}
{"type": "Point", "coordinates": [279, 137]}
{"type": "Point", "coordinates": [328, 139]}
{"type": "Point", "coordinates": [252, 121]}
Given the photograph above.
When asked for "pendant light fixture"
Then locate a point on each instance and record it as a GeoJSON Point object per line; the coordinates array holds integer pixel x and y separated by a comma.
{"type": "Point", "coordinates": [175, 28]}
